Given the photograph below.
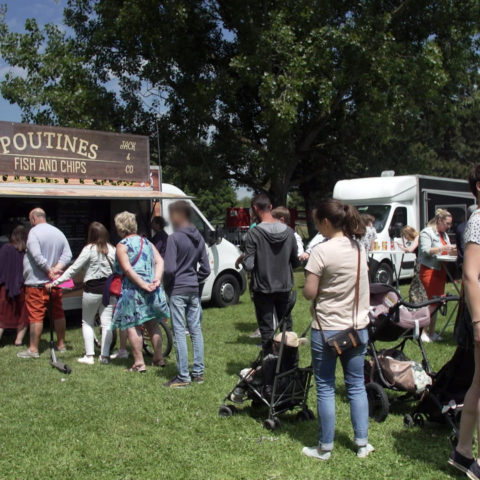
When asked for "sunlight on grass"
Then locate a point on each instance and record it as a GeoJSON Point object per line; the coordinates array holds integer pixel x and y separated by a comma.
{"type": "Point", "coordinates": [104, 423]}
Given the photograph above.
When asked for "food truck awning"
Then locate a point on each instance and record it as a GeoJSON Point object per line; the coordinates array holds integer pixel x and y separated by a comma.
{"type": "Point", "coordinates": [82, 192]}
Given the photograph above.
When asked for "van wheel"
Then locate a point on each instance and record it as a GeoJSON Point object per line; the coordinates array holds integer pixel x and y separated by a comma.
{"type": "Point", "coordinates": [226, 291]}
{"type": "Point", "coordinates": [383, 274]}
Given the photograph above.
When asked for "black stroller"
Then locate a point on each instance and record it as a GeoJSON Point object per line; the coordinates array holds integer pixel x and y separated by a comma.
{"type": "Point", "coordinates": [394, 320]}
{"type": "Point", "coordinates": [274, 380]}
{"type": "Point", "coordinates": [443, 401]}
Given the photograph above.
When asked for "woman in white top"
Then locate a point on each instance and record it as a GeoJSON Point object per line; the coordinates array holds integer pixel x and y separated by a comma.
{"type": "Point", "coordinates": [96, 262]}
{"type": "Point", "coordinates": [462, 457]}
{"type": "Point", "coordinates": [337, 281]}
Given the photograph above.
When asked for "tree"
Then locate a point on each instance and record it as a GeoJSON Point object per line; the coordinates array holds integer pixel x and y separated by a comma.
{"type": "Point", "coordinates": [286, 93]}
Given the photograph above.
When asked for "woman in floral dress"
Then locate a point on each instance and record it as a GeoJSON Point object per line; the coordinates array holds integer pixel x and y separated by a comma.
{"type": "Point", "coordinates": [142, 300]}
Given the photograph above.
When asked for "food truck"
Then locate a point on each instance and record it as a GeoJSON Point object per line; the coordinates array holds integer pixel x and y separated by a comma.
{"type": "Point", "coordinates": [79, 176]}
{"type": "Point", "coordinates": [397, 201]}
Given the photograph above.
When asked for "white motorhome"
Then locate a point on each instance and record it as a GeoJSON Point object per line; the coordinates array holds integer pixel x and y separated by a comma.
{"type": "Point", "coordinates": [397, 201]}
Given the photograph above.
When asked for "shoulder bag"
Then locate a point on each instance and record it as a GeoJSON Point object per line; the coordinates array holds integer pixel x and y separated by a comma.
{"type": "Point", "coordinates": [346, 339]}
{"type": "Point", "coordinates": [115, 281]}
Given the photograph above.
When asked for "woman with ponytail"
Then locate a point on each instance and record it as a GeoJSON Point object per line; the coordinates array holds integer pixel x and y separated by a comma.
{"type": "Point", "coordinates": [337, 282]}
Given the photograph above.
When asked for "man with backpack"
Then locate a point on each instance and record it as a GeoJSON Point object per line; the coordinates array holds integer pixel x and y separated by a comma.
{"type": "Point", "coordinates": [270, 255]}
{"type": "Point", "coordinates": [186, 269]}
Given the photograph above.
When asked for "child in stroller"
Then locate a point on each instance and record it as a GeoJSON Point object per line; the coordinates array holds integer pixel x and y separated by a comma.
{"type": "Point", "coordinates": [262, 374]}
{"type": "Point", "coordinates": [394, 320]}
{"type": "Point", "coordinates": [275, 380]}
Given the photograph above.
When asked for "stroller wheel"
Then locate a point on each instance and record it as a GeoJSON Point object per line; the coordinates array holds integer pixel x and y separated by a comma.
{"type": "Point", "coordinates": [418, 420]}
{"type": "Point", "coordinates": [227, 411]}
{"type": "Point", "coordinates": [271, 424]}
{"type": "Point", "coordinates": [305, 415]}
{"type": "Point", "coordinates": [408, 421]}
{"type": "Point", "coordinates": [378, 404]}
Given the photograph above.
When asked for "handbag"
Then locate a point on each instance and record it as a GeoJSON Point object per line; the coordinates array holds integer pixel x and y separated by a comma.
{"type": "Point", "coordinates": [116, 280]}
{"type": "Point", "coordinates": [348, 338]}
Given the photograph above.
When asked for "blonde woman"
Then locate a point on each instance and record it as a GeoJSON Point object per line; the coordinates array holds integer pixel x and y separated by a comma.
{"type": "Point", "coordinates": [142, 300]}
{"type": "Point", "coordinates": [411, 239]}
{"type": "Point", "coordinates": [434, 241]}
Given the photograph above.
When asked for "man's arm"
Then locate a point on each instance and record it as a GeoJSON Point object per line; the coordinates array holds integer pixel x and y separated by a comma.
{"type": "Point", "coordinates": [248, 260]}
{"type": "Point", "coordinates": [35, 252]}
{"type": "Point", "coordinates": [66, 256]}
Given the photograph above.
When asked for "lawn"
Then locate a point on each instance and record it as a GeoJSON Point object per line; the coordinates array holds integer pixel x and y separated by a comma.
{"type": "Point", "coordinates": [103, 423]}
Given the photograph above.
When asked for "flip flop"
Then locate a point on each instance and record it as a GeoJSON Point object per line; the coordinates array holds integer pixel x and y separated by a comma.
{"type": "Point", "coordinates": [137, 369]}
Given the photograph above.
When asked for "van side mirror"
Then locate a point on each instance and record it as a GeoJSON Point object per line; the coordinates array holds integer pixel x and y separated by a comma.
{"type": "Point", "coordinates": [395, 230]}
{"type": "Point", "coordinates": [214, 236]}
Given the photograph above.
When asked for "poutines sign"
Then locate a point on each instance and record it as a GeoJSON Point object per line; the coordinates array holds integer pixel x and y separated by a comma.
{"type": "Point", "coordinates": [57, 152]}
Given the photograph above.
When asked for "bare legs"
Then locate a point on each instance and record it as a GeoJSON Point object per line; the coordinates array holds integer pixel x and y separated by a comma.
{"type": "Point", "coordinates": [433, 321]}
{"type": "Point", "coordinates": [20, 335]}
{"type": "Point", "coordinates": [470, 413]}
{"type": "Point", "coordinates": [135, 337]}
{"type": "Point", "coordinates": [157, 341]}
{"type": "Point", "coordinates": [35, 334]}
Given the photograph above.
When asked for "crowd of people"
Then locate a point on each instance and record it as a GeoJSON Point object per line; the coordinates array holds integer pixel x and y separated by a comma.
{"type": "Point", "coordinates": [163, 277]}
{"type": "Point", "coordinates": [124, 286]}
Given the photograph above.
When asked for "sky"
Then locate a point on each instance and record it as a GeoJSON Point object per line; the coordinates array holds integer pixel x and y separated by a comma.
{"type": "Point", "coordinates": [44, 11]}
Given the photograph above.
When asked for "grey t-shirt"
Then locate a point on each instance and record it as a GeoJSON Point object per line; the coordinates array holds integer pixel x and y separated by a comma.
{"type": "Point", "coordinates": [46, 246]}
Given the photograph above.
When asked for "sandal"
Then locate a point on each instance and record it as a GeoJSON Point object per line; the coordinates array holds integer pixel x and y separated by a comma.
{"type": "Point", "coordinates": [137, 368]}
{"type": "Point", "coordinates": [159, 363]}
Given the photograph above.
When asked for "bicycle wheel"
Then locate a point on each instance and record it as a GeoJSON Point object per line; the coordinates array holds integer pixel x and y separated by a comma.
{"type": "Point", "coordinates": [167, 339]}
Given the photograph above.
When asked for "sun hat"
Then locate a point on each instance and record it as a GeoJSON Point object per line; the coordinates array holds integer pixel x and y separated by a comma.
{"type": "Point", "coordinates": [291, 339]}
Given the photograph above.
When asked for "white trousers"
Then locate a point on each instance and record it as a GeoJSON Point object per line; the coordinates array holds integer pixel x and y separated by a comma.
{"type": "Point", "coordinates": [91, 305]}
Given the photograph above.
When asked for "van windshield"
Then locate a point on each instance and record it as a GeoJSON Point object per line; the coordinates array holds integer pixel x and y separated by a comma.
{"type": "Point", "coordinates": [380, 212]}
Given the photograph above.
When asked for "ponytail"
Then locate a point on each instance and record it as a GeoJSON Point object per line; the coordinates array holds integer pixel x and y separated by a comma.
{"type": "Point", "coordinates": [342, 217]}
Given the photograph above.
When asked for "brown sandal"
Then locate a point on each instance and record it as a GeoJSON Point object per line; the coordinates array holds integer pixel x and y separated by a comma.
{"type": "Point", "coordinates": [137, 368]}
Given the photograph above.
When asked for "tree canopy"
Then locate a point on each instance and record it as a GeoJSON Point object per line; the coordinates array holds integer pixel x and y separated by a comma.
{"type": "Point", "coordinates": [275, 94]}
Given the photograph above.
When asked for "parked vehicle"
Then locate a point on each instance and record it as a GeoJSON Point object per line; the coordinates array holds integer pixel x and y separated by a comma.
{"type": "Point", "coordinates": [399, 201]}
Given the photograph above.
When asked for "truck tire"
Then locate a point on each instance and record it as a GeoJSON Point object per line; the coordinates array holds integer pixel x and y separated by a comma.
{"type": "Point", "coordinates": [226, 290]}
{"type": "Point", "coordinates": [383, 274]}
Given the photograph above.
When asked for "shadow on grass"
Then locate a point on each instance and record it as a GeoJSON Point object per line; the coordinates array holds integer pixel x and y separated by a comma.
{"type": "Point", "coordinates": [434, 445]}
{"type": "Point", "coordinates": [245, 327]}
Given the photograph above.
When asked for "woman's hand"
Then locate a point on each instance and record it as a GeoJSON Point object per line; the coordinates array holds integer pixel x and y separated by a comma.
{"type": "Point", "coordinates": [149, 287]}
{"type": "Point", "coordinates": [48, 287]}
{"type": "Point", "coordinates": [156, 283]}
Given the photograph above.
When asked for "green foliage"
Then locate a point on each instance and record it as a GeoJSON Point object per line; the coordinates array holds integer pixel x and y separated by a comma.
{"type": "Point", "coordinates": [275, 95]}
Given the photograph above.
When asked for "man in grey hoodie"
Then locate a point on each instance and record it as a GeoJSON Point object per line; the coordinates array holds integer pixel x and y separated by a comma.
{"type": "Point", "coordinates": [270, 254]}
{"type": "Point", "coordinates": [186, 269]}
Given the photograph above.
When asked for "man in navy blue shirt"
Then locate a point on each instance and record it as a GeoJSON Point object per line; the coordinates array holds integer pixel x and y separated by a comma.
{"type": "Point", "coordinates": [186, 269]}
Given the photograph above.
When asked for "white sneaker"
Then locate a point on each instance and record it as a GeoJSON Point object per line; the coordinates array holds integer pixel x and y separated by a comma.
{"type": "Point", "coordinates": [426, 338]}
{"type": "Point", "coordinates": [103, 360]}
{"type": "Point", "coordinates": [314, 452]}
{"type": "Point", "coordinates": [365, 451]}
{"type": "Point", "coordinates": [86, 360]}
{"type": "Point", "coordinates": [119, 355]}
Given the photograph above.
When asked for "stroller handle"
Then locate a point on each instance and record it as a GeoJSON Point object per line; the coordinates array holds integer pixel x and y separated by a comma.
{"type": "Point", "coordinates": [444, 299]}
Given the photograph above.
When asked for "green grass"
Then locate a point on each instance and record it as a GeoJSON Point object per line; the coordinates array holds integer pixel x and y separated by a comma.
{"type": "Point", "coordinates": [103, 423]}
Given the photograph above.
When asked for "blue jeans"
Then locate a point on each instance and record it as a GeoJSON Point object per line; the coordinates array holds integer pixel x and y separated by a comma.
{"type": "Point", "coordinates": [324, 364]}
{"type": "Point", "coordinates": [187, 308]}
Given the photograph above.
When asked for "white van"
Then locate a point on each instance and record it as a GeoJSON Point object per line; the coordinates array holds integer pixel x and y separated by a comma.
{"type": "Point", "coordinates": [399, 201]}
{"type": "Point", "coordinates": [225, 284]}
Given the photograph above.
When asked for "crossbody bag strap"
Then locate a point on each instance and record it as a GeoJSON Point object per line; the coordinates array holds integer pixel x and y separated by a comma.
{"type": "Point", "coordinates": [137, 258]}
{"type": "Point", "coordinates": [357, 289]}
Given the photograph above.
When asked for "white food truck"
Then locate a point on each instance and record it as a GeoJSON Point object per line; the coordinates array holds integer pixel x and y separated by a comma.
{"type": "Point", "coordinates": [78, 176]}
{"type": "Point", "coordinates": [397, 201]}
